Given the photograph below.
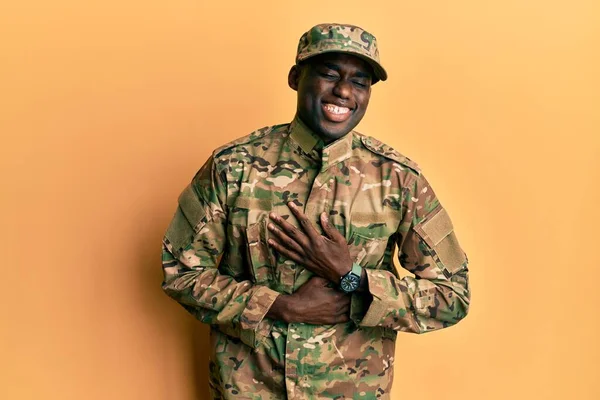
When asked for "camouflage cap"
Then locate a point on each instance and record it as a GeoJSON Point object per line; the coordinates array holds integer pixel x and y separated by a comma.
{"type": "Point", "coordinates": [341, 38]}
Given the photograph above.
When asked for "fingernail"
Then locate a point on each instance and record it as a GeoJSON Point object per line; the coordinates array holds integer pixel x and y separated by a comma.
{"type": "Point", "coordinates": [271, 226]}
{"type": "Point", "coordinates": [292, 204]}
{"type": "Point", "coordinates": [324, 216]}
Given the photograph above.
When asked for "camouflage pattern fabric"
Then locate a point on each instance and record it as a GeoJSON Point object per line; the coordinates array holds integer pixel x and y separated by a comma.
{"type": "Point", "coordinates": [341, 38]}
{"type": "Point", "coordinates": [218, 265]}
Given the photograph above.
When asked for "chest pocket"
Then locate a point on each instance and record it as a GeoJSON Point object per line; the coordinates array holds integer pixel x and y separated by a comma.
{"type": "Point", "coordinates": [260, 256]}
{"type": "Point", "coordinates": [250, 216]}
{"type": "Point", "coordinates": [370, 234]}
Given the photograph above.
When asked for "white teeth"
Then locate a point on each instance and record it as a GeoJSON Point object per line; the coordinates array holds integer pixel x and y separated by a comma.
{"type": "Point", "coordinates": [335, 109]}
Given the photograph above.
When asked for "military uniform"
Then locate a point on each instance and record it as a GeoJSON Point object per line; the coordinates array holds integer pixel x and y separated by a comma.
{"type": "Point", "coordinates": [218, 264]}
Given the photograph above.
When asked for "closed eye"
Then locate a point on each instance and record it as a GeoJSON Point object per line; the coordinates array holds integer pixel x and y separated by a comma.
{"type": "Point", "coordinates": [328, 76]}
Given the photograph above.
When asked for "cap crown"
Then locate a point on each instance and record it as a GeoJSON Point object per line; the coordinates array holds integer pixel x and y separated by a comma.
{"type": "Point", "coordinates": [343, 38]}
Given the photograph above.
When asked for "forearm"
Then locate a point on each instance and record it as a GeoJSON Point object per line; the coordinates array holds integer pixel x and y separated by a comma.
{"type": "Point", "coordinates": [412, 305]}
{"type": "Point", "coordinates": [238, 308]}
{"type": "Point", "coordinates": [438, 295]}
{"type": "Point", "coordinates": [280, 310]}
{"type": "Point", "coordinates": [316, 302]}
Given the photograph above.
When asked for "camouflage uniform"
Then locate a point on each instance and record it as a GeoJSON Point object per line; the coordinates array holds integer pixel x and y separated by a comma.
{"type": "Point", "coordinates": [218, 265]}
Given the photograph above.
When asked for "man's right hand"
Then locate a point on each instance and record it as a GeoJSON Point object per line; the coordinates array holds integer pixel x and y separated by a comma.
{"type": "Point", "coordinates": [313, 303]}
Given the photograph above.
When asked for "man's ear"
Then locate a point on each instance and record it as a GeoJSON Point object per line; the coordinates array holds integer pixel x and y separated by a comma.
{"type": "Point", "coordinates": [294, 77]}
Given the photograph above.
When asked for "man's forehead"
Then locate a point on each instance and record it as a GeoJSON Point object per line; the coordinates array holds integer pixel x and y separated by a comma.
{"type": "Point", "coordinates": [342, 60]}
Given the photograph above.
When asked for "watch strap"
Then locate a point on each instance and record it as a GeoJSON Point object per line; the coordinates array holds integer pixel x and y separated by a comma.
{"type": "Point", "coordinates": [356, 269]}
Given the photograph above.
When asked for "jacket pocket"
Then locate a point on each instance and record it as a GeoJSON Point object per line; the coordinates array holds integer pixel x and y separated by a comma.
{"type": "Point", "coordinates": [367, 252]}
{"type": "Point", "coordinates": [260, 256]}
{"type": "Point", "coordinates": [248, 218]}
{"type": "Point", "coordinates": [370, 236]}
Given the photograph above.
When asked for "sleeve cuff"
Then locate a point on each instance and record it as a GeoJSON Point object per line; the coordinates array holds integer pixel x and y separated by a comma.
{"type": "Point", "coordinates": [364, 314]}
{"type": "Point", "coordinates": [254, 326]}
{"type": "Point", "coordinates": [359, 304]}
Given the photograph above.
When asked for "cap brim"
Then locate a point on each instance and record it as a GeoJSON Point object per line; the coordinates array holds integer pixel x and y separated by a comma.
{"type": "Point", "coordinates": [380, 73]}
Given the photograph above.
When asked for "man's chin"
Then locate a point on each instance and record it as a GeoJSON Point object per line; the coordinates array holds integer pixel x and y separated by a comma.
{"type": "Point", "coordinates": [331, 131]}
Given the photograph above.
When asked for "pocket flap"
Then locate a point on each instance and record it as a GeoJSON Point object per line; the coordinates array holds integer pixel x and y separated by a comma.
{"type": "Point", "coordinates": [260, 257]}
{"type": "Point", "coordinates": [252, 203]}
{"type": "Point", "coordinates": [366, 218]}
{"type": "Point", "coordinates": [373, 224]}
{"type": "Point", "coordinates": [248, 210]}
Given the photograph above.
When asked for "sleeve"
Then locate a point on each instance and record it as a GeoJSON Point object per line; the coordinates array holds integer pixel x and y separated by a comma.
{"type": "Point", "coordinates": [438, 295]}
{"type": "Point", "coordinates": [192, 247]}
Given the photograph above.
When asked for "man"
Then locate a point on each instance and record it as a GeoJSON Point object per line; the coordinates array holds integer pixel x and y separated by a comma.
{"type": "Point", "coordinates": [283, 242]}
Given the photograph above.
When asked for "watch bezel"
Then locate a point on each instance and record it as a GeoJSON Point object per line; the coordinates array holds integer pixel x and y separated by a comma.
{"type": "Point", "coordinates": [351, 281]}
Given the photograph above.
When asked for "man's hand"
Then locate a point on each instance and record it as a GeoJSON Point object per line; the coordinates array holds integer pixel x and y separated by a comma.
{"type": "Point", "coordinates": [313, 303]}
{"type": "Point", "coordinates": [327, 257]}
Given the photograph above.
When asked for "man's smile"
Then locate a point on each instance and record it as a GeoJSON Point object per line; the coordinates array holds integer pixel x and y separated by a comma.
{"type": "Point", "coordinates": [335, 113]}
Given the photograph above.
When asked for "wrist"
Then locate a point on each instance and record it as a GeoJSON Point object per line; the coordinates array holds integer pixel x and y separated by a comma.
{"type": "Point", "coordinates": [280, 309]}
{"type": "Point", "coordinates": [347, 267]}
{"type": "Point", "coordinates": [351, 281]}
{"type": "Point", "coordinates": [364, 282]}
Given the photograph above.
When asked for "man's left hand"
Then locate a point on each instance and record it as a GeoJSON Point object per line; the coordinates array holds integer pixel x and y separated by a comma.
{"type": "Point", "coordinates": [326, 256]}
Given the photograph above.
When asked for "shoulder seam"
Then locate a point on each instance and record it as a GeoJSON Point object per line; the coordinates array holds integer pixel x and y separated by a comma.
{"type": "Point", "coordinates": [384, 150]}
{"type": "Point", "coordinates": [257, 134]}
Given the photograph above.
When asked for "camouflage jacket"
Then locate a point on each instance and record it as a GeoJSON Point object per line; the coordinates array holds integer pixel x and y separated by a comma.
{"type": "Point", "coordinates": [218, 265]}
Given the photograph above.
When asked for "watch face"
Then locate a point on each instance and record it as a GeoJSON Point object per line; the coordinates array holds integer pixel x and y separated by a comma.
{"type": "Point", "coordinates": [350, 282]}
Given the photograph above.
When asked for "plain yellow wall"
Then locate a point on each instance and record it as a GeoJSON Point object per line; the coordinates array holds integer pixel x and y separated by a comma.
{"type": "Point", "coordinates": [108, 108]}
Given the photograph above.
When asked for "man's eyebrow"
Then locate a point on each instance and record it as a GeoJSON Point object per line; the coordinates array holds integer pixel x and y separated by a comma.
{"type": "Point", "coordinates": [335, 67]}
{"type": "Point", "coordinates": [361, 74]}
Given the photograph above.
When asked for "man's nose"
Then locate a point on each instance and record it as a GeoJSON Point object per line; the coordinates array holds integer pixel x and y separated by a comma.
{"type": "Point", "coordinates": [343, 89]}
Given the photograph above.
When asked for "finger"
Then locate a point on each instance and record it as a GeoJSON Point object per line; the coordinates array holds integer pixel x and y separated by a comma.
{"type": "Point", "coordinates": [343, 307]}
{"type": "Point", "coordinates": [287, 253]}
{"type": "Point", "coordinates": [343, 298]}
{"type": "Point", "coordinates": [281, 238]}
{"type": "Point", "coordinates": [330, 230]}
{"type": "Point", "coordinates": [344, 303]}
{"type": "Point", "coordinates": [316, 279]}
{"type": "Point", "coordinates": [329, 284]}
{"type": "Point", "coordinates": [343, 311]}
{"type": "Point", "coordinates": [305, 223]}
{"type": "Point", "coordinates": [342, 318]}
{"type": "Point", "coordinates": [290, 230]}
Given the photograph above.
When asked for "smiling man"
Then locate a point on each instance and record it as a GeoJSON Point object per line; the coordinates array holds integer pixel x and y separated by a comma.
{"type": "Point", "coordinates": [284, 242]}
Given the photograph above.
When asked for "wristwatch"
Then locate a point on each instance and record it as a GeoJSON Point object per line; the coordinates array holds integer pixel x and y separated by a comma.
{"type": "Point", "coordinates": [351, 281]}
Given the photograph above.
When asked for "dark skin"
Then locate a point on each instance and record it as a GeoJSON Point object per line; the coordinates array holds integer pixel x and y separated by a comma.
{"type": "Point", "coordinates": [343, 81]}
{"type": "Point", "coordinates": [331, 78]}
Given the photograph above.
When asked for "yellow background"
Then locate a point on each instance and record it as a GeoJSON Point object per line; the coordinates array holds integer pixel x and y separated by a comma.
{"type": "Point", "coordinates": [108, 108]}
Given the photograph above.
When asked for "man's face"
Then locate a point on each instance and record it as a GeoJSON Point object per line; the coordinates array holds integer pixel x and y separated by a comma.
{"type": "Point", "coordinates": [333, 93]}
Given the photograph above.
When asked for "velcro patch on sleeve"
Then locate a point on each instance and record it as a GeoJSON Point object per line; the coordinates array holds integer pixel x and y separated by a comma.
{"type": "Point", "coordinates": [187, 221]}
{"type": "Point", "coordinates": [191, 207]}
{"type": "Point", "coordinates": [450, 254]}
{"type": "Point", "coordinates": [438, 232]}
{"type": "Point", "coordinates": [179, 233]}
{"type": "Point", "coordinates": [438, 227]}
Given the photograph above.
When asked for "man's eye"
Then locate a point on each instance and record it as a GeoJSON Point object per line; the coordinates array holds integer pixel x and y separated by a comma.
{"type": "Point", "coordinates": [328, 76]}
{"type": "Point", "coordinates": [360, 84]}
